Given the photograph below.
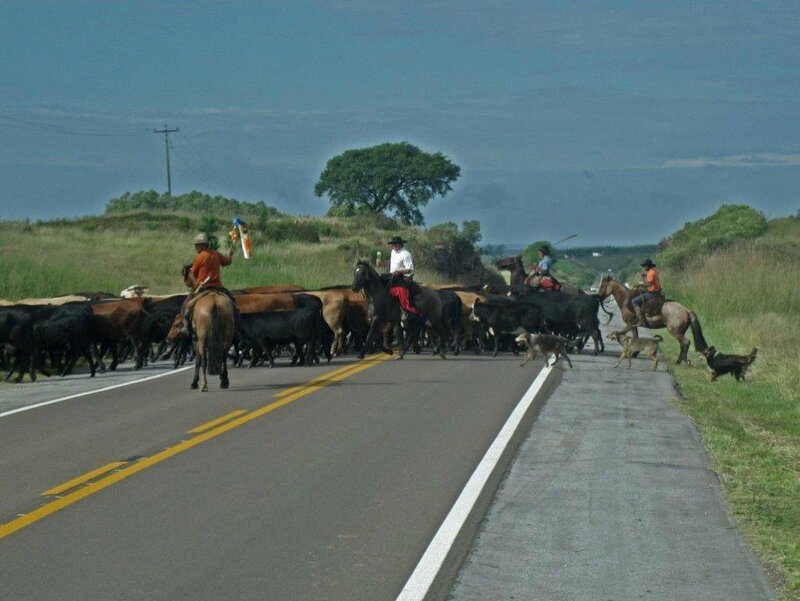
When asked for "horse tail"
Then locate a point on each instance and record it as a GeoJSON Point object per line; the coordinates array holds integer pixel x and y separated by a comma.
{"type": "Point", "coordinates": [603, 307]}
{"type": "Point", "coordinates": [213, 343]}
{"type": "Point", "coordinates": [700, 343]}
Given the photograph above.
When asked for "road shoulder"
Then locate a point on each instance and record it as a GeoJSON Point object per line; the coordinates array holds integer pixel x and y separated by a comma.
{"type": "Point", "coordinates": [612, 496]}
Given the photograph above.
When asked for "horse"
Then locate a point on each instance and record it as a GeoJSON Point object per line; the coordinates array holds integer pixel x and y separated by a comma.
{"type": "Point", "coordinates": [382, 308]}
{"type": "Point", "coordinates": [213, 325]}
{"type": "Point", "coordinates": [515, 266]}
{"type": "Point", "coordinates": [673, 316]}
{"type": "Point", "coordinates": [523, 282]}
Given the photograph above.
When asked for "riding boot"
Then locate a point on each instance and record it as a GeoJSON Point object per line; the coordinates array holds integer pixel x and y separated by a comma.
{"type": "Point", "coordinates": [185, 328]}
{"type": "Point", "coordinates": [640, 321]}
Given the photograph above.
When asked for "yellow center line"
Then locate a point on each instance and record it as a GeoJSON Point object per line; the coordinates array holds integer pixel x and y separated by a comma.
{"type": "Point", "coordinates": [214, 422]}
{"type": "Point", "coordinates": [84, 478]}
{"type": "Point", "coordinates": [126, 472]}
{"type": "Point", "coordinates": [324, 377]}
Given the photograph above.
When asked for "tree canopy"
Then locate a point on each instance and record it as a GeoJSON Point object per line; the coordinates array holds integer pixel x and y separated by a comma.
{"type": "Point", "coordinates": [393, 177]}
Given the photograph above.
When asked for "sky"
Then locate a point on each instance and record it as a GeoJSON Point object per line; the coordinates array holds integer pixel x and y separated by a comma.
{"type": "Point", "coordinates": [616, 121]}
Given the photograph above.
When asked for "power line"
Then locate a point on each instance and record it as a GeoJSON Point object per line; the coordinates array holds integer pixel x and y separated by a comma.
{"type": "Point", "coordinates": [41, 126]}
{"type": "Point", "coordinates": [205, 164]}
{"type": "Point", "coordinates": [199, 174]}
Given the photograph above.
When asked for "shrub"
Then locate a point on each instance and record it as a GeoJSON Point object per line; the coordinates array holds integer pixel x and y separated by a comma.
{"type": "Point", "coordinates": [696, 239]}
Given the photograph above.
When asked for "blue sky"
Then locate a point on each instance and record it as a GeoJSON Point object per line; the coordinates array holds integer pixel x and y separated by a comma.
{"type": "Point", "coordinates": [616, 121]}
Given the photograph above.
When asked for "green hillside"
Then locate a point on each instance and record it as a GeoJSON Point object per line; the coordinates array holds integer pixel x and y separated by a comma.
{"type": "Point", "coordinates": [145, 238]}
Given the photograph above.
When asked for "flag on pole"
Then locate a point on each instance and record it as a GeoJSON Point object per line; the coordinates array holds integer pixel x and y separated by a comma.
{"type": "Point", "coordinates": [241, 226]}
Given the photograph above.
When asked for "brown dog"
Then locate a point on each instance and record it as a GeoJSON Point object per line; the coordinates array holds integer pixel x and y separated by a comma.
{"type": "Point", "coordinates": [633, 346]}
{"type": "Point", "coordinates": [544, 344]}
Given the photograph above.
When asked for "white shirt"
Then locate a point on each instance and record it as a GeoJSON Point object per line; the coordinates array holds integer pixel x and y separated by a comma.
{"type": "Point", "coordinates": [401, 259]}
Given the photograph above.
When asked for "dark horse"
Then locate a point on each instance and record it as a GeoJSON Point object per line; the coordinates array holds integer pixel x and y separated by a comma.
{"type": "Point", "coordinates": [523, 283]}
{"type": "Point", "coordinates": [383, 308]}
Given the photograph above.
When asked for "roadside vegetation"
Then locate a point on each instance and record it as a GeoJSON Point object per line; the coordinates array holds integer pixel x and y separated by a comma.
{"type": "Point", "coordinates": [144, 238]}
{"type": "Point", "coordinates": [740, 274]}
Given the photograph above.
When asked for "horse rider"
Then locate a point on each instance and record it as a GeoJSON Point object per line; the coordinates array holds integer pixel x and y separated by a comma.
{"type": "Point", "coordinates": [401, 267]}
{"type": "Point", "coordinates": [652, 285]}
{"type": "Point", "coordinates": [544, 269]}
{"type": "Point", "coordinates": [206, 271]}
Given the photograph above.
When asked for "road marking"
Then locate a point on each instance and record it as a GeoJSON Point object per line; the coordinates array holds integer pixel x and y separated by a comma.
{"type": "Point", "coordinates": [88, 392]}
{"type": "Point", "coordinates": [133, 468]}
{"type": "Point", "coordinates": [319, 379]}
{"type": "Point", "coordinates": [214, 422]}
{"type": "Point", "coordinates": [421, 579]}
{"type": "Point", "coordinates": [84, 478]}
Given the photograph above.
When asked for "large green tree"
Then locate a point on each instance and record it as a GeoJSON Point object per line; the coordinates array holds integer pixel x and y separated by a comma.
{"type": "Point", "coordinates": [397, 178]}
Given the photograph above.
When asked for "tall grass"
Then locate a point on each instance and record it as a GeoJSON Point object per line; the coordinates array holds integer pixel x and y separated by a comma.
{"type": "Point", "coordinates": [747, 295]}
{"type": "Point", "coordinates": [46, 261]}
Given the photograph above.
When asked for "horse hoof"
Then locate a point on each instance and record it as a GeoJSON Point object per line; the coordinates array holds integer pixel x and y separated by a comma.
{"type": "Point", "coordinates": [204, 389]}
{"type": "Point", "coordinates": [224, 385]}
{"type": "Point", "coordinates": [398, 358]}
{"type": "Point", "coordinates": [193, 385]}
{"type": "Point", "coordinates": [443, 356]}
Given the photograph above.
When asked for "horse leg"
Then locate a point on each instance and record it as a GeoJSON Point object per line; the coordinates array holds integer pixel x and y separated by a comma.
{"type": "Point", "coordinates": [401, 340]}
{"type": "Point", "coordinates": [196, 378]}
{"type": "Point", "coordinates": [223, 374]}
{"type": "Point", "coordinates": [204, 360]}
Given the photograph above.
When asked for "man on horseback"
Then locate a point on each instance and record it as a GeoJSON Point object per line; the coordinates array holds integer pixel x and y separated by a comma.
{"type": "Point", "coordinates": [205, 275]}
{"type": "Point", "coordinates": [652, 289]}
{"type": "Point", "coordinates": [401, 267]}
{"type": "Point", "coordinates": [543, 271]}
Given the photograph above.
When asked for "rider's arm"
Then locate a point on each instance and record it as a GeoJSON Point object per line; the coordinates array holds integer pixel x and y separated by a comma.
{"type": "Point", "coordinates": [225, 261]}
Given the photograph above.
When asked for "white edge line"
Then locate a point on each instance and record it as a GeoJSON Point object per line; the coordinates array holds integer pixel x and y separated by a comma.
{"type": "Point", "coordinates": [74, 396]}
{"type": "Point", "coordinates": [422, 577]}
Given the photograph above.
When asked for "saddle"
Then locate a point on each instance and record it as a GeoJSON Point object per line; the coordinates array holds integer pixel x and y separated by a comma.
{"type": "Point", "coordinates": [543, 282]}
{"type": "Point", "coordinates": [651, 308]}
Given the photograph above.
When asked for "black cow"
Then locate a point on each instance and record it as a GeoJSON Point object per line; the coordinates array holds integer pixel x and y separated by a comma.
{"type": "Point", "coordinates": [262, 332]}
{"type": "Point", "coordinates": [66, 332]}
{"type": "Point", "coordinates": [16, 330]}
{"type": "Point", "coordinates": [157, 321]}
{"type": "Point", "coordinates": [507, 316]}
{"type": "Point", "coordinates": [572, 316]}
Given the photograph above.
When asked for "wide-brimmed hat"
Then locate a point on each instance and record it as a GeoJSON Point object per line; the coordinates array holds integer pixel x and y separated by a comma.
{"type": "Point", "coordinates": [545, 249]}
{"type": "Point", "coordinates": [396, 240]}
{"type": "Point", "coordinates": [648, 263]}
{"type": "Point", "coordinates": [201, 238]}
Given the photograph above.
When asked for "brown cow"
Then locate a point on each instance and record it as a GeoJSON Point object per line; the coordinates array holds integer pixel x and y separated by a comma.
{"type": "Point", "coordinates": [257, 303]}
{"type": "Point", "coordinates": [114, 321]}
{"type": "Point", "coordinates": [334, 312]}
{"type": "Point", "coordinates": [270, 289]}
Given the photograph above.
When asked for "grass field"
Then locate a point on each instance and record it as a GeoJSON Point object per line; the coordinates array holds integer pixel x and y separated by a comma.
{"type": "Point", "coordinates": [747, 296]}
{"type": "Point", "coordinates": [46, 261]}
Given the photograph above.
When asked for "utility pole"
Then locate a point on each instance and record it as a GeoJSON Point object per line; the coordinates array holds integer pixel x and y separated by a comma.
{"type": "Point", "coordinates": [166, 131]}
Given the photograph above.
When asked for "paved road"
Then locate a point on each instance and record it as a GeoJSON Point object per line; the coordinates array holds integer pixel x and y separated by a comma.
{"type": "Point", "coordinates": [331, 491]}
{"type": "Point", "coordinates": [611, 497]}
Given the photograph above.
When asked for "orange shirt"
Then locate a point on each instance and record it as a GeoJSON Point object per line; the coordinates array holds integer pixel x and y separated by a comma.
{"type": "Point", "coordinates": [653, 282]}
{"type": "Point", "coordinates": [208, 264]}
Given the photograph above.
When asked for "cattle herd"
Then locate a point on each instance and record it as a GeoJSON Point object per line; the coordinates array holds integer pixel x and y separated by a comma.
{"type": "Point", "coordinates": [49, 336]}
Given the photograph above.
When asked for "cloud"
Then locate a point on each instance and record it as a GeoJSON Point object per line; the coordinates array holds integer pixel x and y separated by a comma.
{"type": "Point", "coordinates": [737, 160]}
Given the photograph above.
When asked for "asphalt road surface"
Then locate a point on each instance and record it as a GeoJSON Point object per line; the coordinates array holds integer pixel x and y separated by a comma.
{"type": "Point", "coordinates": [296, 483]}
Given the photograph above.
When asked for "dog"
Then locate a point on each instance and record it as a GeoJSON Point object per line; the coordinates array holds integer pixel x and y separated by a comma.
{"type": "Point", "coordinates": [721, 364]}
{"type": "Point", "coordinates": [544, 344]}
{"type": "Point", "coordinates": [633, 346]}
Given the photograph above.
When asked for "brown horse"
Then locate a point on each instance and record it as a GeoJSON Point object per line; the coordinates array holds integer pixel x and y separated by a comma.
{"type": "Point", "coordinates": [213, 325]}
{"type": "Point", "coordinates": [673, 316]}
